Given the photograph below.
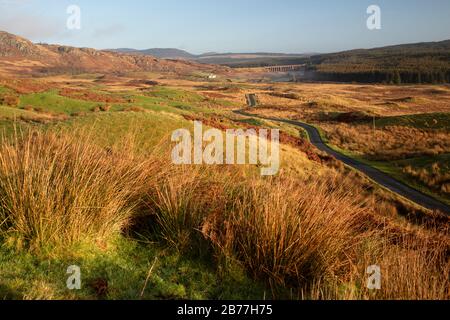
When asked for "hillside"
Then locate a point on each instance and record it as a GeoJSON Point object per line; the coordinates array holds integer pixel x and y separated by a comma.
{"type": "Point", "coordinates": [162, 53]}
{"type": "Point", "coordinates": [21, 55]}
{"type": "Point", "coordinates": [229, 59]}
{"type": "Point", "coordinates": [92, 160]}
{"type": "Point", "coordinates": [427, 62]}
{"type": "Point", "coordinates": [410, 63]}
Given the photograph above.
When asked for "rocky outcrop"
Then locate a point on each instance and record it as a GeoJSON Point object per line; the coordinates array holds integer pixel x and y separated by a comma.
{"type": "Point", "coordinates": [14, 46]}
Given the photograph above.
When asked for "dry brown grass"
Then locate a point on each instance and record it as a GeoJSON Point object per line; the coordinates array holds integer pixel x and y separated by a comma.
{"type": "Point", "coordinates": [25, 86]}
{"type": "Point", "coordinates": [134, 109]}
{"type": "Point", "coordinates": [389, 143]}
{"type": "Point", "coordinates": [316, 236]}
{"type": "Point", "coordinates": [58, 190]}
{"type": "Point", "coordinates": [436, 177]}
{"type": "Point", "coordinates": [10, 100]}
{"type": "Point", "coordinates": [105, 108]}
{"type": "Point", "coordinates": [415, 271]}
{"type": "Point", "coordinates": [290, 238]}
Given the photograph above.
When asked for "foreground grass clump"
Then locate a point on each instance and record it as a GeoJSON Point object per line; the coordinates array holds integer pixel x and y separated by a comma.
{"type": "Point", "coordinates": [284, 231]}
{"type": "Point", "coordinates": [416, 271]}
{"type": "Point", "coordinates": [290, 232]}
{"type": "Point", "coordinates": [56, 189]}
{"type": "Point", "coordinates": [304, 238]}
{"type": "Point", "coordinates": [316, 237]}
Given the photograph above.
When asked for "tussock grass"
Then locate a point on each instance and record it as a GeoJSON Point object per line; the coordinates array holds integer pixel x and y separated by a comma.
{"type": "Point", "coordinates": [185, 198]}
{"type": "Point", "coordinates": [436, 176]}
{"type": "Point", "coordinates": [58, 189]}
{"type": "Point", "coordinates": [416, 271]}
{"type": "Point", "coordinates": [315, 236]}
{"type": "Point", "coordinates": [283, 234]}
{"type": "Point", "coordinates": [390, 143]}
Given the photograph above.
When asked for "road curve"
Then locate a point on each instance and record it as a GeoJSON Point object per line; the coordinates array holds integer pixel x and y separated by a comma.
{"type": "Point", "coordinates": [376, 175]}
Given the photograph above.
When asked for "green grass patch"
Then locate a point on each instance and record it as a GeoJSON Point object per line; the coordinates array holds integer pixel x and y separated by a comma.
{"type": "Point", "coordinates": [53, 102]}
{"type": "Point", "coordinates": [14, 113]}
{"type": "Point", "coordinates": [150, 128]}
{"type": "Point", "coordinates": [172, 94]}
{"type": "Point", "coordinates": [119, 272]}
{"type": "Point", "coordinates": [5, 90]}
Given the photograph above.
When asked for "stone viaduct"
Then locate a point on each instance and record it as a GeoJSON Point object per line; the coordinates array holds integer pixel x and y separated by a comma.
{"type": "Point", "coordinates": [296, 67]}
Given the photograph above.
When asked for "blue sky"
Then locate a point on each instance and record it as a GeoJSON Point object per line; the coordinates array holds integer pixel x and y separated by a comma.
{"type": "Point", "coordinates": [291, 26]}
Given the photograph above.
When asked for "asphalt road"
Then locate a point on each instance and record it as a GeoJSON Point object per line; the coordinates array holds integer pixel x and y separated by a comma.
{"type": "Point", "coordinates": [376, 175]}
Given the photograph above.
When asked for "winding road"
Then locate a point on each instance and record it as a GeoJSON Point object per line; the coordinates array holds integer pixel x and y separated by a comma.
{"type": "Point", "coordinates": [376, 175]}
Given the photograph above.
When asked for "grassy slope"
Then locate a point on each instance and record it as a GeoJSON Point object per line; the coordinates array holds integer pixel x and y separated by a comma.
{"type": "Point", "coordinates": [394, 170]}
{"type": "Point", "coordinates": [125, 265]}
{"type": "Point", "coordinates": [11, 113]}
{"type": "Point", "coordinates": [434, 121]}
{"type": "Point", "coordinates": [167, 102]}
{"type": "Point", "coordinates": [421, 121]}
{"type": "Point", "coordinates": [52, 102]}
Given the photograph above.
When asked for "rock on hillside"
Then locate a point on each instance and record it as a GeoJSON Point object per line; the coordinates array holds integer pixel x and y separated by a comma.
{"type": "Point", "coordinates": [14, 46]}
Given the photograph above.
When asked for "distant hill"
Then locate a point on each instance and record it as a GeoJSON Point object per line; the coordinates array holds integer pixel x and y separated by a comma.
{"type": "Point", "coordinates": [229, 59]}
{"type": "Point", "coordinates": [427, 62]}
{"type": "Point", "coordinates": [19, 55]}
{"type": "Point", "coordinates": [169, 53]}
{"type": "Point", "coordinates": [251, 59]}
{"type": "Point", "coordinates": [162, 53]}
{"type": "Point", "coordinates": [257, 59]}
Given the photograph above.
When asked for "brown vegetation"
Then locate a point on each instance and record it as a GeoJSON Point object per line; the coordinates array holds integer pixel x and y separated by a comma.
{"type": "Point", "coordinates": [90, 96]}
{"type": "Point", "coordinates": [389, 143]}
{"type": "Point", "coordinates": [292, 96]}
{"type": "Point", "coordinates": [57, 190]}
{"type": "Point", "coordinates": [436, 177]}
{"type": "Point", "coordinates": [316, 236]}
{"type": "Point", "coordinates": [26, 86]}
{"type": "Point", "coordinates": [302, 144]}
{"type": "Point", "coordinates": [10, 100]}
{"type": "Point", "coordinates": [105, 108]}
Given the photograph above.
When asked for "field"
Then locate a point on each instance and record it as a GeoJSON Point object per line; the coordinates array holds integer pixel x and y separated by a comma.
{"type": "Point", "coordinates": [86, 179]}
{"type": "Point", "coordinates": [394, 128]}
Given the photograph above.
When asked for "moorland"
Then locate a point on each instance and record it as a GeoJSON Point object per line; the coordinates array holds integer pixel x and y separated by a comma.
{"type": "Point", "coordinates": [86, 179]}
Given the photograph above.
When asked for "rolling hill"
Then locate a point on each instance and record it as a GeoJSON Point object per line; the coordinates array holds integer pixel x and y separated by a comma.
{"type": "Point", "coordinates": [426, 62]}
{"type": "Point", "coordinates": [19, 55]}
{"type": "Point", "coordinates": [162, 53]}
